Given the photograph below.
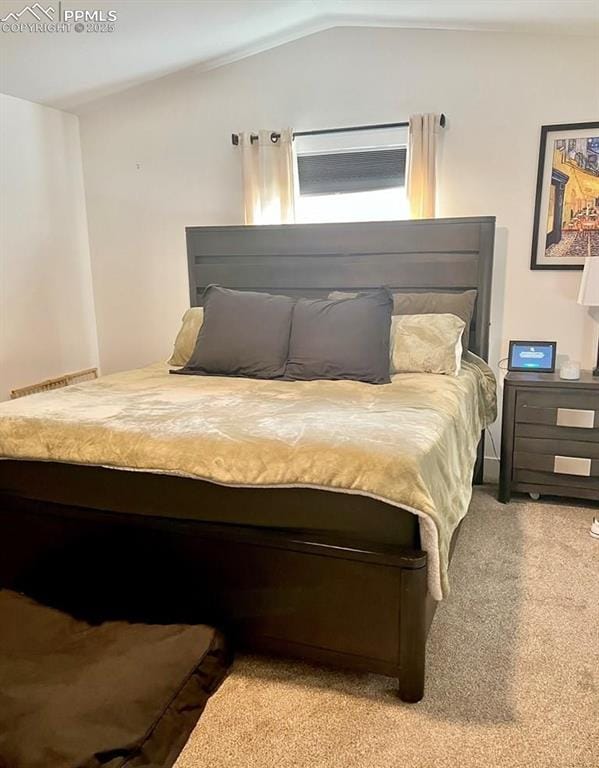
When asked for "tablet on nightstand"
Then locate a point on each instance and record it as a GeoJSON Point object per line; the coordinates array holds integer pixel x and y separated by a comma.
{"type": "Point", "coordinates": [532, 356]}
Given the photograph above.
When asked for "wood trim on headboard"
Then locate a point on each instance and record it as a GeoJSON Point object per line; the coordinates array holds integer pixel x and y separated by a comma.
{"type": "Point", "coordinates": [314, 259]}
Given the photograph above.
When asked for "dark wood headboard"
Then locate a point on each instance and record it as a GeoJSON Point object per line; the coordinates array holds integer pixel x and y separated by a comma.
{"type": "Point", "coordinates": [314, 259]}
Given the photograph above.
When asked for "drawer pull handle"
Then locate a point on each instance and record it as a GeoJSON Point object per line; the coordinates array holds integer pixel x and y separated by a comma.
{"type": "Point", "coordinates": [573, 417]}
{"type": "Point", "coordinates": [571, 465]}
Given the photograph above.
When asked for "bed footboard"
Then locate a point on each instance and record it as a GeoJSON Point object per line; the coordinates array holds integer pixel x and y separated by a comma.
{"type": "Point", "coordinates": [330, 602]}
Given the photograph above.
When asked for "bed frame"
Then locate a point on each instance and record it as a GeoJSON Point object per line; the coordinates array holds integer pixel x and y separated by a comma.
{"type": "Point", "coordinates": [324, 597]}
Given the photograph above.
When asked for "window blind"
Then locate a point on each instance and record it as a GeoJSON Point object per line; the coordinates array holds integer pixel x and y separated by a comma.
{"type": "Point", "coordinates": [359, 171]}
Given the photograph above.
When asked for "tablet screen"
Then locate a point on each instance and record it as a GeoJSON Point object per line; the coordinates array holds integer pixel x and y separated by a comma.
{"type": "Point", "coordinates": [531, 356]}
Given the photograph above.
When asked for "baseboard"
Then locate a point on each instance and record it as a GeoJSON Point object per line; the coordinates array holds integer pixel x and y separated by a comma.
{"type": "Point", "coordinates": [58, 383]}
{"type": "Point", "coordinates": [491, 470]}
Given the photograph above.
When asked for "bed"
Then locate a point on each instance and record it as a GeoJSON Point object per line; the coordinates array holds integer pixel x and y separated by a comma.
{"type": "Point", "coordinates": [305, 552]}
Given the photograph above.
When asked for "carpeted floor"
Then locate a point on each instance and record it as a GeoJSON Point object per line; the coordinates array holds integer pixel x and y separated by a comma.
{"type": "Point", "coordinates": [513, 668]}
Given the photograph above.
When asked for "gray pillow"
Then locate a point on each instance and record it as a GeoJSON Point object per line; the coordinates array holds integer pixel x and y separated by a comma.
{"type": "Point", "coordinates": [243, 334]}
{"type": "Point", "coordinates": [345, 338]}
{"type": "Point", "coordinates": [432, 303]}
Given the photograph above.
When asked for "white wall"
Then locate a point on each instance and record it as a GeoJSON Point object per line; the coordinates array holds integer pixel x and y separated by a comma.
{"type": "Point", "coordinates": [47, 321]}
{"type": "Point", "coordinates": [159, 157]}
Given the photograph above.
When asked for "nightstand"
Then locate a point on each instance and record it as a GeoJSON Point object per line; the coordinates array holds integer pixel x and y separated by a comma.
{"type": "Point", "coordinates": [550, 436]}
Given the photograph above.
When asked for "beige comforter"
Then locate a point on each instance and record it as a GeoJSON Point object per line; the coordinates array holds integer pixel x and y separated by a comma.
{"type": "Point", "coordinates": [411, 443]}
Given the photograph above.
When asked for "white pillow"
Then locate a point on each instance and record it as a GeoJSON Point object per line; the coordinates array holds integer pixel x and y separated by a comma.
{"type": "Point", "coordinates": [426, 344]}
{"type": "Point", "coordinates": [188, 334]}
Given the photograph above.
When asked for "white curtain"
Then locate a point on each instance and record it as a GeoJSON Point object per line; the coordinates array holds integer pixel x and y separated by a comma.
{"type": "Point", "coordinates": [422, 162]}
{"type": "Point", "coordinates": [267, 168]}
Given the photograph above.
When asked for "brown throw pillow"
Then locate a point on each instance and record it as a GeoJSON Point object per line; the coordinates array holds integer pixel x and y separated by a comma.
{"type": "Point", "coordinates": [432, 303]}
{"type": "Point", "coordinates": [243, 334]}
{"type": "Point", "coordinates": [112, 694]}
{"type": "Point", "coordinates": [345, 338]}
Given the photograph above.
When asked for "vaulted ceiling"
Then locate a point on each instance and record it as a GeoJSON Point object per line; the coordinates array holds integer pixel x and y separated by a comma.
{"type": "Point", "coordinates": [152, 38]}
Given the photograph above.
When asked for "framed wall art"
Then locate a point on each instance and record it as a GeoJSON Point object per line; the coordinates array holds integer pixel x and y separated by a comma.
{"type": "Point", "coordinates": [566, 221]}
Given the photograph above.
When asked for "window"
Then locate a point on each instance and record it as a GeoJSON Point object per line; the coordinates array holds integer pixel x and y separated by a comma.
{"type": "Point", "coordinates": [353, 176]}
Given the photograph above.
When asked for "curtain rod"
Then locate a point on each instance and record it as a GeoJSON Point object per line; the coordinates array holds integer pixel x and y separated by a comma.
{"type": "Point", "coordinates": [378, 126]}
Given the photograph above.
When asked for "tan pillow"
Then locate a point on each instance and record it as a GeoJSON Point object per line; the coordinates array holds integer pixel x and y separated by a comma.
{"type": "Point", "coordinates": [426, 344]}
{"type": "Point", "coordinates": [186, 338]}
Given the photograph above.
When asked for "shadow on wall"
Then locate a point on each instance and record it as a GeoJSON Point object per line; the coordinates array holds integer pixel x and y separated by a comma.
{"type": "Point", "coordinates": [496, 346]}
{"type": "Point", "coordinates": [593, 336]}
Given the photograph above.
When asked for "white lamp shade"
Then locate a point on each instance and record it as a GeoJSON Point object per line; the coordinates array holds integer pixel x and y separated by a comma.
{"type": "Point", "coordinates": [589, 284]}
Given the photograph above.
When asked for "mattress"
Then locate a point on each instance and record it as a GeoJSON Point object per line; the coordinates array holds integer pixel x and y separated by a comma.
{"type": "Point", "coordinates": [308, 512]}
{"type": "Point", "coordinates": [410, 444]}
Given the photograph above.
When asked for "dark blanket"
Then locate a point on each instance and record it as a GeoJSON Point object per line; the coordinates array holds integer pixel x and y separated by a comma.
{"type": "Point", "coordinates": [74, 695]}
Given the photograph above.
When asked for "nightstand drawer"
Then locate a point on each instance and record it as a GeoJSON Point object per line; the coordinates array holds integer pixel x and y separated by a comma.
{"type": "Point", "coordinates": [553, 432]}
{"type": "Point", "coordinates": [574, 410]}
{"type": "Point", "coordinates": [558, 464]}
{"type": "Point", "coordinates": [550, 479]}
{"type": "Point", "coordinates": [559, 398]}
{"type": "Point", "coordinates": [559, 446]}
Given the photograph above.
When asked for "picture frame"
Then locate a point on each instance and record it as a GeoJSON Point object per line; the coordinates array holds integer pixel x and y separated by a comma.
{"type": "Point", "coordinates": [566, 216]}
